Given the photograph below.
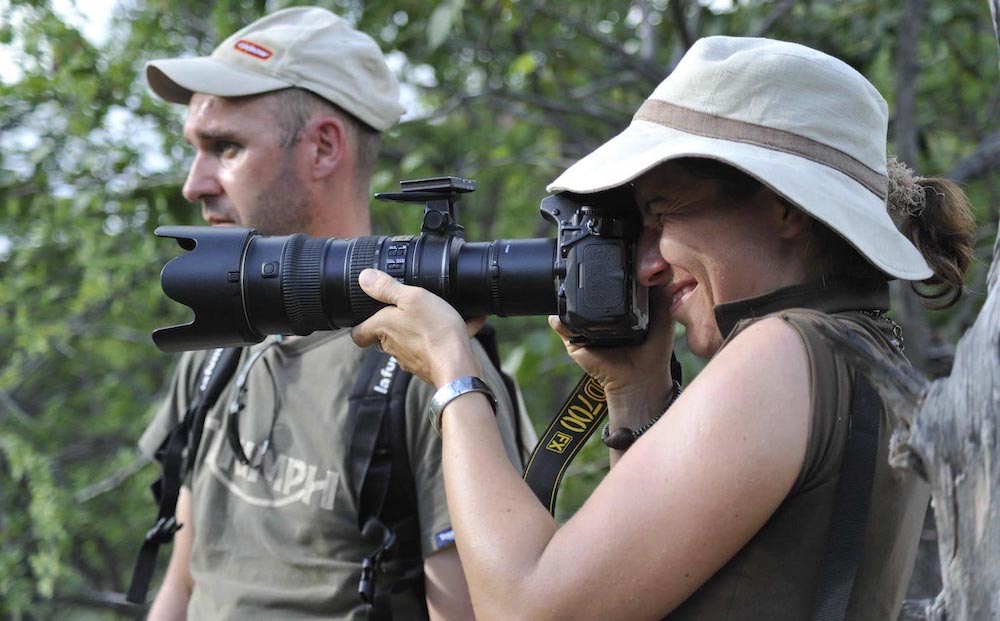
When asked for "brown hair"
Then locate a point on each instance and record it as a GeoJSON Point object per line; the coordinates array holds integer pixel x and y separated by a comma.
{"type": "Point", "coordinates": [944, 231]}
{"type": "Point", "coordinates": [935, 215]}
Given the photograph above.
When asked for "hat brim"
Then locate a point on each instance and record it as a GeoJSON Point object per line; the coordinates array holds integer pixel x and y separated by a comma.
{"type": "Point", "coordinates": [828, 195]}
{"type": "Point", "coordinates": [176, 79]}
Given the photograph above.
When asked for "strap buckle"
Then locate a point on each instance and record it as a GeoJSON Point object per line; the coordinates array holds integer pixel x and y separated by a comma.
{"type": "Point", "coordinates": [372, 564]}
{"type": "Point", "coordinates": [366, 585]}
{"type": "Point", "coordinates": [163, 531]}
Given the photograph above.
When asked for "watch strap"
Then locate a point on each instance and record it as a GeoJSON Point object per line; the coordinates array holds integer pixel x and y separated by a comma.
{"type": "Point", "coordinates": [455, 389]}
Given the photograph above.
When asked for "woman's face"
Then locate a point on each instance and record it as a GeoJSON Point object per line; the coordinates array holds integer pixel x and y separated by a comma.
{"type": "Point", "coordinates": [704, 249]}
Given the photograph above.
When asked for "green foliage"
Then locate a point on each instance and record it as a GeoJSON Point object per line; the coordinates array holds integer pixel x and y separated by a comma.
{"type": "Point", "coordinates": [507, 92]}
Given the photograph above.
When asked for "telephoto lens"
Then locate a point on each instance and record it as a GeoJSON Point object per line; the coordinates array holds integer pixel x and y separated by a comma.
{"type": "Point", "coordinates": [243, 286]}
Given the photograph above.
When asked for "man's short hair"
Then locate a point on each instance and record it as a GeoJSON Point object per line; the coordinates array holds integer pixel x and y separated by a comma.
{"type": "Point", "coordinates": [294, 107]}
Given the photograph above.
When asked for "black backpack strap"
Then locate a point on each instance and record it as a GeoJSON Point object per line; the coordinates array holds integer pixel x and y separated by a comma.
{"type": "Point", "coordinates": [177, 454]}
{"type": "Point", "coordinates": [379, 461]}
{"type": "Point", "coordinates": [852, 505]}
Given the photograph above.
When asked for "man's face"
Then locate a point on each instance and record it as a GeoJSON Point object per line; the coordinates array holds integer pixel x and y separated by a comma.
{"type": "Point", "coordinates": [242, 173]}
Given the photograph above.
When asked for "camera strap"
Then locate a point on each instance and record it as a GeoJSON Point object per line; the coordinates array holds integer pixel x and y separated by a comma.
{"type": "Point", "coordinates": [177, 454]}
{"type": "Point", "coordinates": [568, 431]}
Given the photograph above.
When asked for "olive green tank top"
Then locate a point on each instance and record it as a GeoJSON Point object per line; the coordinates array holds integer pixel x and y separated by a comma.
{"type": "Point", "coordinates": [776, 575]}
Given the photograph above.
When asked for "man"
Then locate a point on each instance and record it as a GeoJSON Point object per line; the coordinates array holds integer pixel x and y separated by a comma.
{"type": "Point", "coordinates": [285, 119]}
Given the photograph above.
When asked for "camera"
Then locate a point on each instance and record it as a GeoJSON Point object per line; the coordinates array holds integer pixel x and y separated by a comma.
{"type": "Point", "coordinates": [243, 286]}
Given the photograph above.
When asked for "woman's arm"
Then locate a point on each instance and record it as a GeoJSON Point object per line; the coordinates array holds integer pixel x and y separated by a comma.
{"type": "Point", "coordinates": [681, 502]}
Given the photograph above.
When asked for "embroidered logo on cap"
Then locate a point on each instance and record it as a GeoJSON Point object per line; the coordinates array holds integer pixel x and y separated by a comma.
{"type": "Point", "coordinates": [251, 48]}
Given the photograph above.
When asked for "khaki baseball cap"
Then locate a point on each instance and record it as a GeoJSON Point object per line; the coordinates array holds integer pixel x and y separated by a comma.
{"type": "Point", "coordinates": [305, 47]}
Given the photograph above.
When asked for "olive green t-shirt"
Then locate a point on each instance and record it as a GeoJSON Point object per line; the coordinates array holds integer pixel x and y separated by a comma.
{"type": "Point", "coordinates": [282, 541]}
{"type": "Point", "coordinates": [776, 575]}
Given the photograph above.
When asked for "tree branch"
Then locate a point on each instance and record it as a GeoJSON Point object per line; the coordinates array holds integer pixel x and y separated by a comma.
{"type": "Point", "coordinates": [15, 408]}
{"type": "Point", "coordinates": [772, 18]}
{"type": "Point", "coordinates": [645, 32]}
{"type": "Point", "coordinates": [995, 13]}
{"type": "Point", "coordinates": [679, 11]}
{"type": "Point", "coordinates": [110, 482]}
{"type": "Point", "coordinates": [101, 600]}
{"type": "Point", "coordinates": [985, 159]}
{"type": "Point", "coordinates": [905, 130]}
{"type": "Point", "coordinates": [648, 70]}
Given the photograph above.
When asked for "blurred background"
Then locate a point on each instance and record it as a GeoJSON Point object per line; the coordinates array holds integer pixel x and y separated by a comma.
{"type": "Point", "coordinates": [506, 92]}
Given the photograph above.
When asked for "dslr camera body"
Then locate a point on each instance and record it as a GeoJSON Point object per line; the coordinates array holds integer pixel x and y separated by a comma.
{"type": "Point", "coordinates": [243, 286]}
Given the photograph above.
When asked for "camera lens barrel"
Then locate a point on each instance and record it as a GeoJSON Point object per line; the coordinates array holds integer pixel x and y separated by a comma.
{"type": "Point", "coordinates": [302, 282]}
{"type": "Point", "coordinates": [299, 284]}
{"type": "Point", "coordinates": [320, 289]}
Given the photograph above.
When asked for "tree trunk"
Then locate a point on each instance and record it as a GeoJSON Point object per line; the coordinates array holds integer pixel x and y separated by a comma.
{"type": "Point", "coordinates": [955, 436]}
{"type": "Point", "coordinates": [995, 12]}
{"type": "Point", "coordinates": [948, 434]}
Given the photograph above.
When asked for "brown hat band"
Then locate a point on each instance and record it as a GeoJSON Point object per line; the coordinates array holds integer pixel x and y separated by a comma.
{"type": "Point", "coordinates": [711, 126]}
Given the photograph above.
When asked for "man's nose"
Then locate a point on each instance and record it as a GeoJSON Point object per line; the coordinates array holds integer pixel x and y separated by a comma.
{"type": "Point", "coordinates": [652, 269]}
{"type": "Point", "coordinates": [201, 182]}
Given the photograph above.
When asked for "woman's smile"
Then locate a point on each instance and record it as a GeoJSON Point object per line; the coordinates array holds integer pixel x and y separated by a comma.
{"type": "Point", "coordinates": [679, 293]}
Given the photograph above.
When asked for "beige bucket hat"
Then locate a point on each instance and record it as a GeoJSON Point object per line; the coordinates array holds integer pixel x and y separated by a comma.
{"type": "Point", "coordinates": [307, 47]}
{"type": "Point", "coordinates": [803, 123]}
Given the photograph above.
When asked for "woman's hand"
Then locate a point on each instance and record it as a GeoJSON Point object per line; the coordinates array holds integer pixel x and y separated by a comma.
{"type": "Point", "coordinates": [425, 334]}
{"type": "Point", "coordinates": [629, 370]}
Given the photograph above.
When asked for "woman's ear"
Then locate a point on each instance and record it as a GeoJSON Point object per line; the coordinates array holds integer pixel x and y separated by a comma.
{"type": "Point", "coordinates": [789, 220]}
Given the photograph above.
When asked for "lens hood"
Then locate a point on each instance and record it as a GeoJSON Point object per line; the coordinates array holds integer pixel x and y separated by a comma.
{"type": "Point", "coordinates": [207, 279]}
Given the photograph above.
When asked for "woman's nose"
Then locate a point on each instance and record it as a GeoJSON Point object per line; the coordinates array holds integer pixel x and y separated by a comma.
{"type": "Point", "coordinates": [652, 269]}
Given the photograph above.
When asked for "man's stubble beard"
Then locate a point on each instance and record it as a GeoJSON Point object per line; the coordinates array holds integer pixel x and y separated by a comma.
{"type": "Point", "coordinates": [282, 208]}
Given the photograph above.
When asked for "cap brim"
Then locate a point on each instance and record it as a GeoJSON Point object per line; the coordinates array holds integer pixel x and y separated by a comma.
{"type": "Point", "coordinates": [827, 194]}
{"type": "Point", "coordinates": [176, 79]}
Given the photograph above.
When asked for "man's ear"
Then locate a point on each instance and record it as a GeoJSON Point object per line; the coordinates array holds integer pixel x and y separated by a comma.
{"type": "Point", "coordinates": [327, 141]}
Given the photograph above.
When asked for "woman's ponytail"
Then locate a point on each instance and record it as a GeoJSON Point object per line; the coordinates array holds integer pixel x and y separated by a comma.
{"type": "Point", "coordinates": [936, 216]}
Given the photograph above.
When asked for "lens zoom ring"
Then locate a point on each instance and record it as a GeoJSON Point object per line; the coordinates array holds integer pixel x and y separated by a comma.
{"type": "Point", "coordinates": [362, 257]}
{"type": "Point", "coordinates": [493, 276]}
{"type": "Point", "coordinates": [301, 284]}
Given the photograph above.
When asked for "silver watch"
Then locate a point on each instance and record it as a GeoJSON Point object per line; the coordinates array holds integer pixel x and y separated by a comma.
{"type": "Point", "coordinates": [454, 389]}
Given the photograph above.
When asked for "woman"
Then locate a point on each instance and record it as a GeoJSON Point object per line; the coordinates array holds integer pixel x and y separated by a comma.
{"type": "Point", "coordinates": [759, 169]}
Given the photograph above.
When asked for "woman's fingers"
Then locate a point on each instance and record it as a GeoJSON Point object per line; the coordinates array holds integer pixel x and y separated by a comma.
{"type": "Point", "coordinates": [425, 334]}
{"type": "Point", "coordinates": [474, 324]}
{"type": "Point", "coordinates": [365, 334]}
{"type": "Point", "coordinates": [560, 328]}
{"type": "Point", "coordinates": [381, 286]}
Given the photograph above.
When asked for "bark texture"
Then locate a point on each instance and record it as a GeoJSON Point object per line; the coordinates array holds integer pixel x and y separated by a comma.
{"type": "Point", "coordinates": [954, 434]}
{"type": "Point", "coordinates": [948, 434]}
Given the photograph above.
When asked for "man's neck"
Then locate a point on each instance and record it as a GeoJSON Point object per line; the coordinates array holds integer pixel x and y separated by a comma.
{"type": "Point", "coordinates": [341, 213]}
